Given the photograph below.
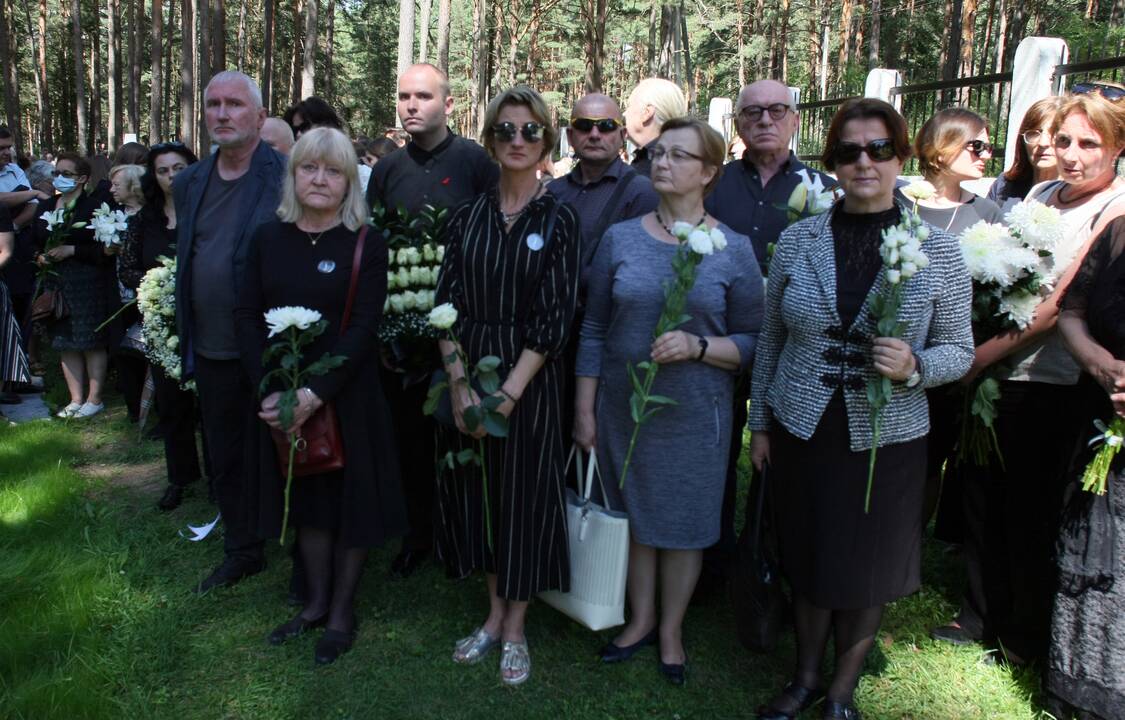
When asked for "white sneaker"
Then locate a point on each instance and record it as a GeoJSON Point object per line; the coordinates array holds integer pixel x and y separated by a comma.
{"type": "Point", "coordinates": [88, 410]}
{"type": "Point", "coordinates": [69, 410]}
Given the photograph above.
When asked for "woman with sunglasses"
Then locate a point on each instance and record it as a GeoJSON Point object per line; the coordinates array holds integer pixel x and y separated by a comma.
{"type": "Point", "coordinates": [674, 490]}
{"type": "Point", "coordinates": [811, 420]}
{"type": "Point", "coordinates": [151, 235]}
{"type": "Point", "coordinates": [1035, 155]}
{"type": "Point", "coordinates": [1036, 423]}
{"type": "Point", "coordinates": [511, 270]}
{"type": "Point", "coordinates": [83, 273]}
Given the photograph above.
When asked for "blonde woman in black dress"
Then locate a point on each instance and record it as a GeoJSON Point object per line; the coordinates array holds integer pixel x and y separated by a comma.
{"type": "Point", "coordinates": [514, 285]}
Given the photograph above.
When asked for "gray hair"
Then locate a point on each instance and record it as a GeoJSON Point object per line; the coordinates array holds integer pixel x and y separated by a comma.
{"type": "Point", "coordinates": [233, 75]}
{"type": "Point", "coordinates": [40, 171]}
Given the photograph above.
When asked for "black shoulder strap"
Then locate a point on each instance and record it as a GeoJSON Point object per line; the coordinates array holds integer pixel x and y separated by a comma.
{"type": "Point", "coordinates": [533, 286]}
{"type": "Point", "coordinates": [609, 209]}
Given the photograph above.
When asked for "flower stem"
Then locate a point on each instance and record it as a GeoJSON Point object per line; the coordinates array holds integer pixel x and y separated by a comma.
{"type": "Point", "coordinates": [288, 485]}
{"type": "Point", "coordinates": [650, 377]}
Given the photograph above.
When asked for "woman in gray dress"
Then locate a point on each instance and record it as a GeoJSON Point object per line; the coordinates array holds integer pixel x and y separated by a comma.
{"type": "Point", "coordinates": [674, 490]}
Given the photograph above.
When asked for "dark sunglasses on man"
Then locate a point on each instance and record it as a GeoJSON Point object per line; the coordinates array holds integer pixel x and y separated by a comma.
{"type": "Point", "coordinates": [1109, 92]}
{"type": "Point", "coordinates": [878, 150]}
{"type": "Point", "coordinates": [506, 132]}
{"type": "Point", "coordinates": [979, 147]}
{"type": "Point", "coordinates": [604, 125]}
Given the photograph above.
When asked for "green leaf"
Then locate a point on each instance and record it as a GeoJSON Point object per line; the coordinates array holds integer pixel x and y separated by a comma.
{"type": "Point", "coordinates": [290, 361]}
{"type": "Point", "coordinates": [467, 456]}
{"type": "Point", "coordinates": [495, 424]}
{"type": "Point", "coordinates": [450, 358]}
{"type": "Point", "coordinates": [473, 416]}
{"type": "Point", "coordinates": [324, 364]}
{"type": "Point", "coordinates": [645, 365]}
{"type": "Point", "coordinates": [448, 460]}
{"type": "Point", "coordinates": [488, 364]}
{"type": "Point", "coordinates": [636, 405]}
{"type": "Point", "coordinates": [662, 400]}
{"type": "Point", "coordinates": [489, 382]}
{"type": "Point", "coordinates": [433, 396]}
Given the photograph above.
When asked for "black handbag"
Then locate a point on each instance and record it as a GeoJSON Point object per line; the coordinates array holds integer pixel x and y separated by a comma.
{"type": "Point", "coordinates": [756, 595]}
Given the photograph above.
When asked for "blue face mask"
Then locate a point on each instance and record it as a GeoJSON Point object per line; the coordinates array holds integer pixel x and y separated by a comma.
{"type": "Point", "coordinates": [64, 184]}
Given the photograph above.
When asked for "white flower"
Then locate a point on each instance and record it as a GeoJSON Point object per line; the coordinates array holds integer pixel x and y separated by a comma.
{"type": "Point", "coordinates": [920, 190]}
{"type": "Point", "coordinates": [173, 342]}
{"type": "Point", "coordinates": [400, 256]}
{"type": "Point", "coordinates": [1020, 308]}
{"type": "Point", "coordinates": [798, 198]}
{"type": "Point", "coordinates": [428, 252]}
{"type": "Point", "coordinates": [718, 239]}
{"type": "Point", "coordinates": [439, 252]}
{"type": "Point", "coordinates": [403, 277]}
{"type": "Point", "coordinates": [1037, 225]}
{"type": "Point", "coordinates": [908, 270]}
{"type": "Point", "coordinates": [281, 319]}
{"type": "Point", "coordinates": [53, 218]}
{"type": "Point", "coordinates": [392, 281]}
{"type": "Point", "coordinates": [681, 230]}
{"type": "Point", "coordinates": [397, 304]}
{"type": "Point", "coordinates": [443, 316]}
{"type": "Point", "coordinates": [992, 256]}
{"type": "Point", "coordinates": [893, 276]}
{"type": "Point", "coordinates": [700, 242]}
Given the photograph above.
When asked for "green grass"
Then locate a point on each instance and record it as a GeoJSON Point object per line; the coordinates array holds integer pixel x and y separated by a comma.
{"type": "Point", "coordinates": [96, 621]}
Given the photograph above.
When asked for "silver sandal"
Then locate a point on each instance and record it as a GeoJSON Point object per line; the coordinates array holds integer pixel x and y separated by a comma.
{"type": "Point", "coordinates": [472, 649]}
{"type": "Point", "coordinates": [515, 657]}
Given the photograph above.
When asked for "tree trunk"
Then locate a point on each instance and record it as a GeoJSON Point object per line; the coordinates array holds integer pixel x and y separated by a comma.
{"type": "Point", "coordinates": [156, 101]}
{"type": "Point", "coordinates": [689, 71]}
{"type": "Point", "coordinates": [783, 54]}
{"type": "Point", "coordinates": [424, 31]}
{"type": "Point", "coordinates": [294, 65]}
{"type": "Point", "coordinates": [595, 44]}
{"type": "Point", "coordinates": [330, 61]}
{"type": "Point", "coordinates": [133, 76]}
{"type": "Point", "coordinates": [953, 33]}
{"type": "Point", "coordinates": [113, 69]}
{"type": "Point", "coordinates": [218, 15]}
{"type": "Point", "coordinates": [308, 74]}
{"type": "Point", "coordinates": [242, 36]}
{"type": "Point", "coordinates": [46, 138]}
{"type": "Point", "coordinates": [167, 124]}
{"type": "Point", "coordinates": [405, 35]}
{"type": "Point", "coordinates": [968, 22]}
{"type": "Point", "coordinates": [445, 19]}
{"type": "Point", "coordinates": [874, 34]}
{"type": "Point", "coordinates": [845, 55]}
{"type": "Point", "coordinates": [478, 87]}
{"type": "Point", "coordinates": [202, 67]}
{"type": "Point", "coordinates": [79, 76]}
{"type": "Point", "coordinates": [11, 93]}
{"type": "Point", "coordinates": [96, 86]}
{"type": "Point", "coordinates": [187, 76]}
{"type": "Point", "coordinates": [40, 84]}
{"type": "Point", "coordinates": [267, 53]}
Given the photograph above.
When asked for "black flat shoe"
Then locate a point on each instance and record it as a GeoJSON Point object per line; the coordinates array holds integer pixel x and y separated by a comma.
{"type": "Point", "coordinates": [614, 653]}
{"type": "Point", "coordinates": [332, 645]}
{"type": "Point", "coordinates": [294, 628]}
{"type": "Point", "coordinates": [805, 697]}
{"type": "Point", "coordinates": [840, 711]}
{"type": "Point", "coordinates": [173, 496]}
{"type": "Point", "coordinates": [953, 634]}
{"type": "Point", "coordinates": [675, 674]}
{"type": "Point", "coordinates": [231, 571]}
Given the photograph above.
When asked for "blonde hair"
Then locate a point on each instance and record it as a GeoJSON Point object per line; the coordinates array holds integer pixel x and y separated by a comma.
{"type": "Point", "coordinates": [332, 147]}
{"type": "Point", "coordinates": [533, 101]}
{"type": "Point", "coordinates": [1107, 117]}
{"type": "Point", "coordinates": [943, 136]}
{"type": "Point", "coordinates": [665, 97]}
{"type": "Point", "coordinates": [130, 180]}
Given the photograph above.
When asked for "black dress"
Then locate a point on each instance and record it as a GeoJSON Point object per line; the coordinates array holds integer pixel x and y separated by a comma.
{"type": "Point", "coordinates": [1086, 660]}
{"type": "Point", "coordinates": [147, 239]}
{"type": "Point", "coordinates": [489, 276]}
{"type": "Point", "coordinates": [834, 555]}
{"type": "Point", "coordinates": [363, 502]}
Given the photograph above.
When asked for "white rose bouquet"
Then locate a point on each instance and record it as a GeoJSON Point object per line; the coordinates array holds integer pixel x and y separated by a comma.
{"type": "Point", "coordinates": [696, 243]}
{"type": "Point", "coordinates": [156, 301]}
{"type": "Point", "coordinates": [298, 328]}
{"type": "Point", "coordinates": [902, 259]}
{"type": "Point", "coordinates": [1011, 268]}
{"type": "Point", "coordinates": [414, 258]}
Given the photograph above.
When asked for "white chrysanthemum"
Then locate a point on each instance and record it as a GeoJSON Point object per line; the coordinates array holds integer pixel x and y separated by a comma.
{"type": "Point", "coordinates": [989, 254]}
{"type": "Point", "coordinates": [280, 319]}
{"type": "Point", "coordinates": [1037, 225]}
{"type": "Point", "coordinates": [893, 276]}
{"type": "Point", "coordinates": [1019, 307]}
{"type": "Point", "coordinates": [920, 190]}
{"type": "Point", "coordinates": [700, 242]}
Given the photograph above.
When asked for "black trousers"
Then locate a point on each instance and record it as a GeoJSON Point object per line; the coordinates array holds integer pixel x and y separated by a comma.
{"type": "Point", "coordinates": [226, 403]}
{"type": "Point", "coordinates": [415, 442]}
{"type": "Point", "coordinates": [177, 419]}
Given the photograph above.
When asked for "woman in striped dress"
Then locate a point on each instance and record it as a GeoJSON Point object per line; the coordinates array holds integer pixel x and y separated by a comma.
{"type": "Point", "coordinates": [514, 285]}
{"type": "Point", "coordinates": [13, 363]}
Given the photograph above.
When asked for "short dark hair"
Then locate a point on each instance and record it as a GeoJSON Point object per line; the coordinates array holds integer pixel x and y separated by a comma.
{"type": "Point", "coordinates": [316, 112]}
{"type": "Point", "coordinates": [81, 164]}
{"type": "Point", "coordinates": [131, 153]}
{"type": "Point", "coordinates": [862, 109]}
{"type": "Point", "coordinates": [154, 196]}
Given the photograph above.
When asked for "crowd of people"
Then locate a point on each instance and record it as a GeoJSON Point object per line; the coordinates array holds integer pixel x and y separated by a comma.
{"type": "Point", "coordinates": [562, 280]}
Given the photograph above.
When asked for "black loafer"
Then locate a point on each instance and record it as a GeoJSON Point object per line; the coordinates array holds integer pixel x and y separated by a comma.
{"type": "Point", "coordinates": [294, 628]}
{"type": "Point", "coordinates": [332, 645]}
{"type": "Point", "coordinates": [173, 496]}
{"type": "Point", "coordinates": [805, 697]}
{"type": "Point", "coordinates": [612, 653]}
{"type": "Point", "coordinates": [675, 674]}
{"type": "Point", "coordinates": [230, 572]}
{"type": "Point", "coordinates": [840, 711]}
{"type": "Point", "coordinates": [952, 634]}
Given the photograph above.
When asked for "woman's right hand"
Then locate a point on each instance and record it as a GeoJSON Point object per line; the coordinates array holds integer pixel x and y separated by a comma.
{"type": "Point", "coordinates": [585, 430]}
{"type": "Point", "coordinates": [462, 397]}
{"type": "Point", "coordinates": [759, 448]}
{"type": "Point", "coordinates": [1111, 375]}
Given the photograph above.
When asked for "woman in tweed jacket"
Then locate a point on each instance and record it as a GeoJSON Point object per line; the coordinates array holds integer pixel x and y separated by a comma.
{"type": "Point", "coordinates": [810, 415]}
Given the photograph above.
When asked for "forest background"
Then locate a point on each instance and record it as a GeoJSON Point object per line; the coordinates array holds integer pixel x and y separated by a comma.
{"type": "Point", "coordinates": [80, 72]}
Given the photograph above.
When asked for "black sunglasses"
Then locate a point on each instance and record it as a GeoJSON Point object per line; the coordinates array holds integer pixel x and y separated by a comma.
{"type": "Point", "coordinates": [585, 124]}
{"type": "Point", "coordinates": [1109, 92]}
{"type": "Point", "coordinates": [878, 150]}
{"type": "Point", "coordinates": [506, 131]}
{"type": "Point", "coordinates": [979, 147]}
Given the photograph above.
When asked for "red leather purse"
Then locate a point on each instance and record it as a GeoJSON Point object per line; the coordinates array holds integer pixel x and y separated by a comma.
{"type": "Point", "coordinates": [320, 446]}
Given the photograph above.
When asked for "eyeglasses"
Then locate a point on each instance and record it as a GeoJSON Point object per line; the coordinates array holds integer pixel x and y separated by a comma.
{"type": "Point", "coordinates": [674, 155]}
{"type": "Point", "coordinates": [604, 125]}
{"type": "Point", "coordinates": [979, 147]}
{"type": "Point", "coordinates": [752, 113]}
{"type": "Point", "coordinates": [506, 132]}
{"type": "Point", "coordinates": [64, 173]}
{"type": "Point", "coordinates": [1031, 137]}
{"type": "Point", "coordinates": [878, 150]}
{"type": "Point", "coordinates": [1109, 92]}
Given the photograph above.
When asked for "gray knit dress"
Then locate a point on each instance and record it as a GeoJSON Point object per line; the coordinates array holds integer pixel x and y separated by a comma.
{"type": "Point", "coordinates": [674, 490]}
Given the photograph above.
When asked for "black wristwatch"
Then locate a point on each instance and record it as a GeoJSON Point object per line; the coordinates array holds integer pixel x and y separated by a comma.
{"type": "Point", "coordinates": [702, 347]}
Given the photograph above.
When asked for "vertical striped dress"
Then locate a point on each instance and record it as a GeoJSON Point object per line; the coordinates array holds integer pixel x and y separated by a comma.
{"type": "Point", "coordinates": [488, 274]}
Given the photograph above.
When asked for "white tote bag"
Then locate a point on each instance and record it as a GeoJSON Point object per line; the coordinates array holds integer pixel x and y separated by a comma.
{"type": "Point", "coordinates": [598, 539]}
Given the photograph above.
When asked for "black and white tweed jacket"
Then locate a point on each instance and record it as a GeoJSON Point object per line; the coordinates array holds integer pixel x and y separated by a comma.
{"type": "Point", "coordinates": [804, 354]}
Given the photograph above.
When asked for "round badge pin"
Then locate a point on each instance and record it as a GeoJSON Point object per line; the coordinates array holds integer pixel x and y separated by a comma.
{"type": "Point", "coordinates": [326, 266]}
{"type": "Point", "coordinates": [535, 241]}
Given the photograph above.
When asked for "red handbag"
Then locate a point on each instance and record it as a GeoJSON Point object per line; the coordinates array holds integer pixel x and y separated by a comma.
{"type": "Point", "coordinates": [320, 447]}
